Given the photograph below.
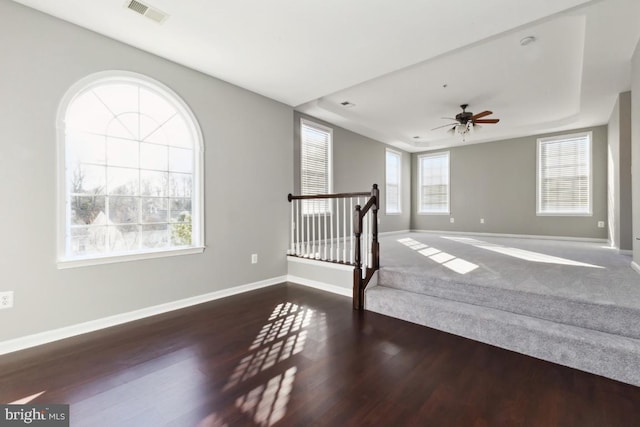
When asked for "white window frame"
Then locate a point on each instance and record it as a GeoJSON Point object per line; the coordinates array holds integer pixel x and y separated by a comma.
{"type": "Point", "coordinates": [62, 218]}
{"type": "Point", "coordinates": [329, 131]}
{"type": "Point", "coordinates": [419, 168]}
{"type": "Point", "coordinates": [540, 142]}
{"type": "Point", "coordinates": [397, 211]}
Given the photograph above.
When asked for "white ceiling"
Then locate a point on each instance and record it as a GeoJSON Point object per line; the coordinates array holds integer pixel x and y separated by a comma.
{"type": "Point", "coordinates": [392, 59]}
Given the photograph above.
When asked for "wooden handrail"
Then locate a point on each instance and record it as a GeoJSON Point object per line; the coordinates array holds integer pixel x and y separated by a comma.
{"type": "Point", "coordinates": [291, 197]}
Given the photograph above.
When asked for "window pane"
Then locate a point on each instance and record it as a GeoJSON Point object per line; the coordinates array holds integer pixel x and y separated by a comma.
{"type": "Point", "coordinates": [154, 156]}
{"type": "Point", "coordinates": [86, 148]}
{"type": "Point", "coordinates": [123, 238]}
{"type": "Point", "coordinates": [564, 166]}
{"type": "Point", "coordinates": [88, 114]}
{"type": "Point", "coordinates": [123, 181]}
{"type": "Point", "coordinates": [154, 183]}
{"type": "Point", "coordinates": [119, 98]}
{"type": "Point", "coordinates": [122, 152]}
{"type": "Point", "coordinates": [85, 209]}
{"type": "Point", "coordinates": [180, 210]}
{"type": "Point", "coordinates": [155, 210]}
{"type": "Point", "coordinates": [123, 210]}
{"type": "Point", "coordinates": [315, 146]}
{"type": "Point", "coordinates": [181, 233]}
{"type": "Point", "coordinates": [181, 185]}
{"type": "Point", "coordinates": [87, 179]}
{"type": "Point", "coordinates": [156, 108]}
{"type": "Point", "coordinates": [180, 160]}
{"type": "Point", "coordinates": [155, 236]}
{"type": "Point", "coordinates": [88, 240]}
{"type": "Point", "coordinates": [392, 182]}
{"type": "Point", "coordinates": [434, 183]}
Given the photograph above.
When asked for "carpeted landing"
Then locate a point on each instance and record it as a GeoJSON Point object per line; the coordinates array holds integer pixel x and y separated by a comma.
{"type": "Point", "coordinates": [572, 303]}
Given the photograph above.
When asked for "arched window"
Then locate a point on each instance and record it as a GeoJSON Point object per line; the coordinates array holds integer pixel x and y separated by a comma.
{"type": "Point", "coordinates": [130, 171]}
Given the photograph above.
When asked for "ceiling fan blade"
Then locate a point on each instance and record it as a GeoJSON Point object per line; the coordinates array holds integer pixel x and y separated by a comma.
{"type": "Point", "coordinates": [482, 114]}
{"type": "Point", "coordinates": [486, 121]}
{"type": "Point", "coordinates": [444, 126]}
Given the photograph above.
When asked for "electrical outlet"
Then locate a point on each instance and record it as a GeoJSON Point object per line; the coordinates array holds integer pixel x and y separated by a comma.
{"type": "Point", "coordinates": [254, 258]}
{"type": "Point", "coordinates": [6, 299]}
{"type": "Point", "coordinates": [451, 220]}
{"type": "Point", "coordinates": [600, 224]}
{"type": "Point", "coordinates": [481, 220]}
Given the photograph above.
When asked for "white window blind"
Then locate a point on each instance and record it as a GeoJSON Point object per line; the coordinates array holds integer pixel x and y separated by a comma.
{"type": "Point", "coordinates": [564, 175]}
{"type": "Point", "coordinates": [393, 164]}
{"type": "Point", "coordinates": [434, 183]}
{"type": "Point", "coordinates": [315, 162]}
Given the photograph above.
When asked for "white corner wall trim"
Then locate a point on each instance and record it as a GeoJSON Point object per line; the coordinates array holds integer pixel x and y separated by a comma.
{"type": "Point", "coordinates": [323, 264]}
{"type": "Point", "coordinates": [635, 266]}
{"type": "Point", "coordinates": [28, 341]}
{"type": "Point", "coordinates": [320, 285]}
{"type": "Point", "coordinates": [519, 236]}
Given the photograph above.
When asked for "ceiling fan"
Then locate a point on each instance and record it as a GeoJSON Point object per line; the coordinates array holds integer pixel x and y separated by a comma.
{"type": "Point", "coordinates": [466, 120]}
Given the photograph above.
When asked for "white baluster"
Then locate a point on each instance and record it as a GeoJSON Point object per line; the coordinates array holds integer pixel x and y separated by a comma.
{"type": "Point", "coordinates": [293, 230]}
{"type": "Point", "coordinates": [338, 230]}
{"type": "Point", "coordinates": [324, 229]}
{"type": "Point", "coordinates": [351, 256]}
{"type": "Point", "coordinates": [306, 237]}
{"type": "Point", "coordinates": [298, 222]}
{"type": "Point", "coordinates": [344, 232]}
{"type": "Point", "coordinates": [313, 230]}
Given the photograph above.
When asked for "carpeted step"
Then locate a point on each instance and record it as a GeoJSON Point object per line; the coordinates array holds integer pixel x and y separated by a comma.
{"type": "Point", "coordinates": [601, 353]}
{"type": "Point", "coordinates": [599, 316]}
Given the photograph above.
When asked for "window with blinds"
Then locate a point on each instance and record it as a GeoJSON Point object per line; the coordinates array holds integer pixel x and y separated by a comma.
{"type": "Point", "coordinates": [393, 169]}
{"type": "Point", "coordinates": [433, 187]}
{"type": "Point", "coordinates": [315, 165]}
{"type": "Point", "coordinates": [564, 175]}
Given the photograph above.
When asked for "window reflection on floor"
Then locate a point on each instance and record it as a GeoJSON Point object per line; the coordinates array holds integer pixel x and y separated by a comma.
{"type": "Point", "coordinates": [447, 260]}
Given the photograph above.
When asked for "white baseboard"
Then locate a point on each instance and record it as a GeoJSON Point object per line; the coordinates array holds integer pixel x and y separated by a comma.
{"type": "Point", "coordinates": [635, 266]}
{"type": "Point", "coordinates": [390, 233]}
{"type": "Point", "coordinates": [320, 285]}
{"type": "Point", "coordinates": [519, 236]}
{"type": "Point", "coordinates": [28, 341]}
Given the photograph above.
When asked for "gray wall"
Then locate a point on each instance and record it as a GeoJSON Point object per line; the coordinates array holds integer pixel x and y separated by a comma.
{"type": "Point", "coordinates": [635, 149]}
{"type": "Point", "coordinates": [359, 162]}
{"type": "Point", "coordinates": [619, 173]}
{"type": "Point", "coordinates": [247, 179]}
{"type": "Point", "coordinates": [497, 181]}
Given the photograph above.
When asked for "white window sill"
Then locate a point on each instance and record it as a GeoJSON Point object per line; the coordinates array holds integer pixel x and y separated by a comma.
{"type": "Point", "coordinates": [434, 213]}
{"type": "Point", "coordinates": [110, 259]}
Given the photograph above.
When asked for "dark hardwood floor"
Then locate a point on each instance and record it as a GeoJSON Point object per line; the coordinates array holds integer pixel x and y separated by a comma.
{"type": "Point", "coordinates": [290, 355]}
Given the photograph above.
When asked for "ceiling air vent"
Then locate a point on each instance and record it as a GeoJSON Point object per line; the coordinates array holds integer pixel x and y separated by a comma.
{"type": "Point", "coordinates": [147, 11]}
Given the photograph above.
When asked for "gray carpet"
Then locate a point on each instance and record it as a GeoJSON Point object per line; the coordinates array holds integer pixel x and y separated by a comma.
{"type": "Point", "coordinates": [572, 303]}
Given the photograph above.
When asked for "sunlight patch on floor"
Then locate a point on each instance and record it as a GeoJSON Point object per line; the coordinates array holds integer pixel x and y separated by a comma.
{"type": "Point", "coordinates": [452, 262]}
{"type": "Point", "coordinates": [519, 253]}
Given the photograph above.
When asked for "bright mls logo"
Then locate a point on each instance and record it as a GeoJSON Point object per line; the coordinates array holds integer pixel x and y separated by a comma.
{"type": "Point", "coordinates": [54, 415]}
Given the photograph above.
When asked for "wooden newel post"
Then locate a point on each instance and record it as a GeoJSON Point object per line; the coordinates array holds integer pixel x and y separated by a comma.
{"type": "Point", "coordinates": [375, 245]}
{"type": "Point", "coordinates": [357, 271]}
